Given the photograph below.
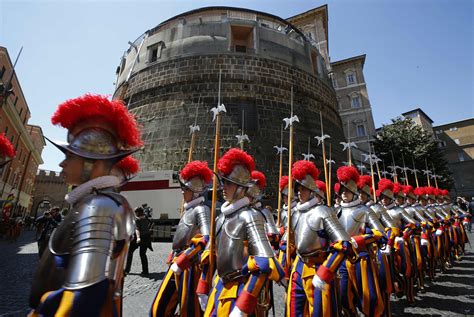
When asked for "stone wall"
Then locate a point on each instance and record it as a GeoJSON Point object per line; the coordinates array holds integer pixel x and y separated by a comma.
{"type": "Point", "coordinates": [165, 96]}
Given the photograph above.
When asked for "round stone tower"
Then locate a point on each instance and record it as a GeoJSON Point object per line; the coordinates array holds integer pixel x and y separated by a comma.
{"type": "Point", "coordinates": [169, 79]}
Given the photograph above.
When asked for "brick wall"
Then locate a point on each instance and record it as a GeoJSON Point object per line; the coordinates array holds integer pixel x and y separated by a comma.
{"type": "Point", "coordinates": [165, 96]}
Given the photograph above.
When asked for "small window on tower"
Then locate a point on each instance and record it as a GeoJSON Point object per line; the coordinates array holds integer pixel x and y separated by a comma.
{"type": "Point", "coordinates": [241, 39]}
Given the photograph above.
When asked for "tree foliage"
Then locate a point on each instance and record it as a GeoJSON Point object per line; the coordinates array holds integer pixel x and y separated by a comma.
{"type": "Point", "coordinates": [405, 137]}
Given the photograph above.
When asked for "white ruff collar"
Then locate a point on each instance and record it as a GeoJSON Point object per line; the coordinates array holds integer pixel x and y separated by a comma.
{"type": "Point", "coordinates": [228, 208]}
{"type": "Point", "coordinates": [293, 204]}
{"type": "Point", "coordinates": [97, 183]}
{"type": "Point", "coordinates": [193, 203]}
{"type": "Point", "coordinates": [305, 206]}
{"type": "Point", "coordinates": [351, 204]}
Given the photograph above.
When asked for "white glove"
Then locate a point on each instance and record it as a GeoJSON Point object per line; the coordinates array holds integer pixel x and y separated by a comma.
{"type": "Point", "coordinates": [175, 268]}
{"type": "Point", "coordinates": [354, 244]}
{"type": "Point", "coordinates": [438, 232]}
{"type": "Point", "coordinates": [424, 242]}
{"type": "Point", "coordinates": [386, 250]}
{"type": "Point", "coordinates": [236, 312]}
{"type": "Point", "coordinates": [399, 240]}
{"type": "Point", "coordinates": [139, 240]}
{"type": "Point", "coordinates": [319, 283]}
{"type": "Point", "coordinates": [203, 298]}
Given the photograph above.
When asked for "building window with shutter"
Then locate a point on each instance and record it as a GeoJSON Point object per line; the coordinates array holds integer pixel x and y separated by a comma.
{"type": "Point", "coordinates": [355, 102]}
{"type": "Point", "coordinates": [360, 130]}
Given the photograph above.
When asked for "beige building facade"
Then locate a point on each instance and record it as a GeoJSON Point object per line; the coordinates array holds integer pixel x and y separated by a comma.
{"type": "Point", "coordinates": [354, 104]}
{"type": "Point", "coordinates": [456, 140]}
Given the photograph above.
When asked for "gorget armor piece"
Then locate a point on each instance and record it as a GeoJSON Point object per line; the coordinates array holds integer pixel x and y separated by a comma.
{"type": "Point", "coordinates": [237, 233]}
{"type": "Point", "coordinates": [195, 220]}
{"type": "Point", "coordinates": [314, 229]}
{"type": "Point", "coordinates": [399, 215]}
{"type": "Point", "coordinates": [382, 215]}
{"type": "Point", "coordinates": [355, 219]}
{"type": "Point", "coordinates": [88, 238]}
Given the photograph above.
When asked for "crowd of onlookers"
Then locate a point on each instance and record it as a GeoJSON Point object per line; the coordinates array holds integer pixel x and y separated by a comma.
{"type": "Point", "coordinates": [466, 206]}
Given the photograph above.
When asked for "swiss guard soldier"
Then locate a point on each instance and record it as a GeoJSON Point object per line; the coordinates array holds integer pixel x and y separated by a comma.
{"type": "Point", "coordinates": [321, 246]}
{"type": "Point", "coordinates": [359, 281]}
{"type": "Point", "coordinates": [442, 232]}
{"type": "Point", "coordinates": [283, 224]}
{"type": "Point", "coordinates": [245, 258]}
{"type": "Point", "coordinates": [420, 236]}
{"type": "Point", "coordinates": [428, 241]}
{"type": "Point", "coordinates": [255, 194]}
{"type": "Point", "coordinates": [384, 257]}
{"type": "Point", "coordinates": [188, 262]}
{"type": "Point", "coordinates": [81, 272]}
{"type": "Point", "coordinates": [405, 223]}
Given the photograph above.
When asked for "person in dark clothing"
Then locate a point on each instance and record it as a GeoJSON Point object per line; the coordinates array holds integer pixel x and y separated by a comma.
{"type": "Point", "coordinates": [46, 224]}
{"type": "Point", "coordinates": [142, 240]}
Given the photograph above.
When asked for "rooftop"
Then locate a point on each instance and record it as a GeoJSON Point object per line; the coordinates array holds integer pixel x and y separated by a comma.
{"type": "Point", "coordinates": [417, 110]}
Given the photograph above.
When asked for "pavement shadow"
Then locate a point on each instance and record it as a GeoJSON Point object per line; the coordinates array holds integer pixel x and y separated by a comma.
{"type": "Point", "coordinates": [158, 276]}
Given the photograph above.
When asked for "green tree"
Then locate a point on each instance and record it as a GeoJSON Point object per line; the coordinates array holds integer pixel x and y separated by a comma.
{"type": "Point", "coordinates": [407, 141]}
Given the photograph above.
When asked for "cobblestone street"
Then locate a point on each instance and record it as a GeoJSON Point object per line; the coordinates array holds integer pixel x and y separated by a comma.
{"type": "Point", "coordinates": [451, 294]}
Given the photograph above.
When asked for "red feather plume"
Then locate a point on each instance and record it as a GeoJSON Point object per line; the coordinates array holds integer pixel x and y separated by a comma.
{"type": "Point", "coordinates": [302, 168]}
{"type": "Point", "coordinates": [385, 184]}
{"type": "Point", "coordinates": [128, 165]}
{"type": "Point", "coordinates": [346, 173]}
{"type": "Point", "coordinates": [97, 107]}
{"type": "Point", "coordinates": [283, 182]}
{"type": "Point", "coordinates": [364, 180]}
{"type": "Point", "coordinates": [444, 192]}
{"type": "Point", "coordinates": [419, 191]}
{"type": "Point", "coordinates": [408, 189]}
{"type": "Point", "coordinates": [6, 148]}
{"type": "Point", "coordinates": [196, 168]}
{"type": "Point", "coordinates": [235, 157]}
{"type": "Point", "coordinates": [260, 178]}
{"type": "Point", "coordinates": [337, 187]}
{"type": "Point", "coordinates": [321, 185]}
{"type": "Point", "coordinates": [430, 190]}
{"type": "Point", "coordinates": [397, 188]}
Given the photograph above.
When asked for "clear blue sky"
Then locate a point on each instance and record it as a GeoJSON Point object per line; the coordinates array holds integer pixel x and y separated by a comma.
{"type": "Point", "coordinates": [419, 53]}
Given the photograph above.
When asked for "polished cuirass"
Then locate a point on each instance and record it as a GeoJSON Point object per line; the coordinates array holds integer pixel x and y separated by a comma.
{"type": "Point", "coordinates": [315, 228]}
{"type": "Point", "coordinates": [427, 212]}
{"type": "Point", "coordinates": [447, 209]}
{"type": "Point", "coordinates": [382, 215]}
{"type": "Point", "coordinates": [414, 212]}
{"type": "Point", "coordinates": [238, 235]}
{"type": "Point", "coordinates": [399, 216]}
{"type": "Point", "coordinates": [88, 236]}
{"type": "Point", "coordinates": [437, 212]}
{"type": "Point", "coordinates": [355, 219]}
{"type": "Point", "coordinates": [270, 226]}
{"type": "Point", "coordinates": [195, 220]}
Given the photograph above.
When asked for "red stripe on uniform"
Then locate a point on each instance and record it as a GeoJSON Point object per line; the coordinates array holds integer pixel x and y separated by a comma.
{"type": "Point", "coordinates": [147, 185]}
